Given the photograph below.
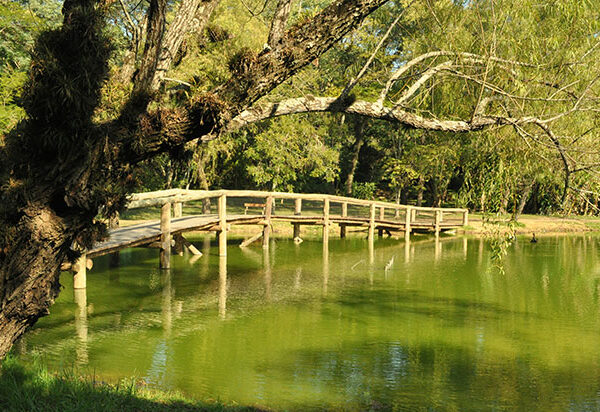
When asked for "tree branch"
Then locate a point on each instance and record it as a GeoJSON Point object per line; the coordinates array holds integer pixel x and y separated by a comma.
{"type": "Point", "coordinates": [279, 21]}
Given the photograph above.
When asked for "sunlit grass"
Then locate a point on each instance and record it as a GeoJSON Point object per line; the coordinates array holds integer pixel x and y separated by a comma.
{"type": "Point", "coordinates": [34, 388]}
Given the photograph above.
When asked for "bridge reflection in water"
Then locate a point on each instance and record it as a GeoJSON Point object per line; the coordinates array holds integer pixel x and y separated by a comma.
{"type": "Point", "coordinates": [232, 208]}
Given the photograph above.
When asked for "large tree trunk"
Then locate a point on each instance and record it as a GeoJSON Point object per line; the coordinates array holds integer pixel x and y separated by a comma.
{"type": "Point", "coordinates": [359, 139]}
{"type": "Point", "coordinates": [30, 270]}
{"type": "Point", "coordinates": [435, 192]}
{"type": "Point", "coordinates": [58, 167]}
{"type": "Point", "coordinates": [524, 197]}
{"type": "Point", "coordinates": [420, 190]}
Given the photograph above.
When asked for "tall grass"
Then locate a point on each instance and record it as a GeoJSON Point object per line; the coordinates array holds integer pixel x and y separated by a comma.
{"type": "Point", "coordinates": [34, 388]}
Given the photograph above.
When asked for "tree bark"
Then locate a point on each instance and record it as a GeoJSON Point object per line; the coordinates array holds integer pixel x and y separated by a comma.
{"type": "Point", "coordinates": [192, 15]}
{"type": "Point", "coordinates": [279, 21]}
{"type": "Point", "coordinates": [54, 188]}
{"type": "Point", "coordinates": [202, 179]}
{"type": "Point", "coordinates": [420, 190]}
{"type": "Point", "coordinates": [157, 23]}
{"type": "Point", "coordinates": [523, 201]}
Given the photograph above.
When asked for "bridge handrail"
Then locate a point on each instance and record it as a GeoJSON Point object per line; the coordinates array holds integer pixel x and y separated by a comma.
{"type": "Point", "coordinates": [162, 197]}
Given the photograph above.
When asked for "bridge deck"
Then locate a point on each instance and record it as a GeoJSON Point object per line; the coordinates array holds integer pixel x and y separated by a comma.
{"type": "Point", "coordinates": [149, 232]}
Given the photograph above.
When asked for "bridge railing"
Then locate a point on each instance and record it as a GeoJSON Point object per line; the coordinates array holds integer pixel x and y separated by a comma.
{"type": "Point", "coordinates": [174, 196]}
{"type": "Point", "coordinates": [376, 211]}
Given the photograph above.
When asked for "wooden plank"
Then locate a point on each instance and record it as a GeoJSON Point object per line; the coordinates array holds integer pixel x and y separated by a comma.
{"type": "Point", "coordinates": [252, 239]}
{"type": "Point", "coordinates": [193, 250]}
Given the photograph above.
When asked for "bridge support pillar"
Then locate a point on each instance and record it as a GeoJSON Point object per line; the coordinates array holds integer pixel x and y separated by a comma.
{"type": "Point", "coordinates": [326, 220]}
{"type": "Point", "coordinates": [407, 221]}
{"type": "Point", "coordinates": [381, 217]}
{"type": "Point", "coordinates": [267, 224]}
{"type": "Point", "coordinates": [438, 219]}
{"type": "Point", "coordinates": [165, 236]}
{"type": "Point", "coordinates": [344, 214]}
{"type": "Point", "coordinates": [222, 233]}
{"type": "Point", "coordinates": [177, 209]}
{"type": "Point", "coordinates": [371, 236]}
{"type": "Point", "coordinates": [80, 273]}
{"type": "Point", "coordinates": [297, 212]}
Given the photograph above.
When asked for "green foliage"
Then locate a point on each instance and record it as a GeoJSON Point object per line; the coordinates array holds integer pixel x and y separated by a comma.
{"type": "Point", "coordinates": [288, 152]}
{"type": "Point", "coordinates": [500, 234]}
{"type": "Point", "coordinates": [364, 190]}
{"type": "Point", "coordinates": [11, 85]}
{"type": "Point", "coordinates": [20, 23]}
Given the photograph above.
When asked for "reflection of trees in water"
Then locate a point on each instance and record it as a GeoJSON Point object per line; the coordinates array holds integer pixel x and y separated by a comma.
{"type": "Point", "coordinates": [444, 335]}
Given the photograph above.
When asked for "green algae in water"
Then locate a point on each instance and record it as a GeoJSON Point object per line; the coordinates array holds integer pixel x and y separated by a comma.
{"type": "Point", "coordinates": [428, 326]}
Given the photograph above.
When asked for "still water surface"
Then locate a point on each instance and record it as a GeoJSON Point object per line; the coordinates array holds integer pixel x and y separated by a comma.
{"type": "Point", "coordinates": [428, 326]}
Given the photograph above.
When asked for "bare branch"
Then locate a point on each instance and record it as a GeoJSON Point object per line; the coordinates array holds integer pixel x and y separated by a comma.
{"type": "Point", "coordinates": [360, 74]}
{"type": "Point", "coordinates": [373, 110]}
{"type": "Point", "coordinates": [412, 63]}
{"type": "Point", "coordinates": [429, 73]}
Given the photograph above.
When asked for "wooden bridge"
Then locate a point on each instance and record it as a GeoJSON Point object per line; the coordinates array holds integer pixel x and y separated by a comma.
{"type": "Point", "coordinates": [233, 207]}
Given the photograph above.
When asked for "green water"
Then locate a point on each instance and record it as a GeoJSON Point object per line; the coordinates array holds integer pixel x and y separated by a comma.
{"type": "Point", "coordinates": [431, 326]}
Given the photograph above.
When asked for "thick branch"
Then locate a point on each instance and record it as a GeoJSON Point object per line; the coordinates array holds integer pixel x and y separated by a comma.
{"type": "Point", "coordinates": [154, 40]}
{"type": "Point", "coordinates": [191, 15]}
{"type": "Point", "coordinates": [373, 110]}
{"type": "Point", "coordinates": [165, 130]}
{"type": "Point", "coordinates": [279, 21]}
{"type": "Point", "coordinates": [299, 46]}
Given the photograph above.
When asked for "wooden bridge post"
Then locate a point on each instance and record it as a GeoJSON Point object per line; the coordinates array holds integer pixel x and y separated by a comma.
{"type": "Point", "coordinates": [297, 212]}
{"type": "Point", "coordinates": [80, 273]}
{"type": "Point", "coordinates": [222, 287]}
{"type": "Point", "coordinates": [381, 217]}
{"type": "Point", "coordinates": [407, 221]}
{"type": "Point", "coordinates": [267, 224]}
{"type": "Point", "coordinates": [413, 215]}
{"type": "Point", "coordinates": [326, 220]}
{"type": "Point", "coordinates": [177, 209]}
{"type": "Point", "coordinates": [165, 236]}
{"type": "Point", "coordinates": [371, 236]}
{"type": "Point", "coordinates": [465, 218]}
{"type": "Point", "coordinates": [438, 219]}
{"type": "Point", "coordinates": [222, 233]}
{"type": "Point", "coordinates": [344, 214]}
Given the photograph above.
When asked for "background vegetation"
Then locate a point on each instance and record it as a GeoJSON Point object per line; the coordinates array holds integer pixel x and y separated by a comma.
{"type": "Point", "coordinates": [506, 170]}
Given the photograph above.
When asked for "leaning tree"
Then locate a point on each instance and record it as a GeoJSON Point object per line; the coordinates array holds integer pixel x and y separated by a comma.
{"type": "Point", "coordinates": [62, 164]}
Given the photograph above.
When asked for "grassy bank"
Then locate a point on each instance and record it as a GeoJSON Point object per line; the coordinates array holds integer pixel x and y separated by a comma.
{"type": "Point", "coordinates": [537, 224]}
{"type": "Point", "coordinates": [33, 388]}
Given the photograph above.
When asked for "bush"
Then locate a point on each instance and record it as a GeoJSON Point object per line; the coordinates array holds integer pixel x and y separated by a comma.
{"type": "Point", "coordinates": [363, 190]}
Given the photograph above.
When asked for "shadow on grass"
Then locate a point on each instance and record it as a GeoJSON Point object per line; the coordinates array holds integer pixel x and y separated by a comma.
{"type": "Point", "coordinates": [35, 389]}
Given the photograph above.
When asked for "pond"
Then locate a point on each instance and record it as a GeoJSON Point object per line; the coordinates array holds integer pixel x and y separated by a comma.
{"type": "Point", "coordinates": [424, 326]}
